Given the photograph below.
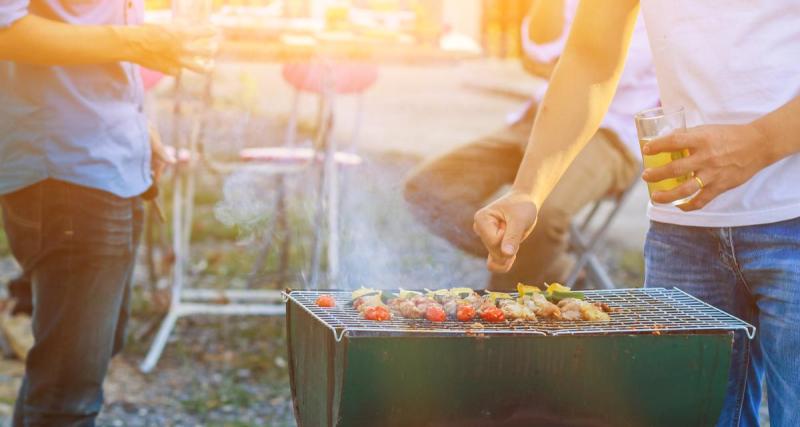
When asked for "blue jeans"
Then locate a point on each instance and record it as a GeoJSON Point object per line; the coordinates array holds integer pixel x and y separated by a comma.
{"type": "Point", "coordinates": [77, 245]}
{"type": "Point", "coordinates": [753, 273]}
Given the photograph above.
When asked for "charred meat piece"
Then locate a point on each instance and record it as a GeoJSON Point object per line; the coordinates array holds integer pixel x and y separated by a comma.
{"type": "Point", "coordinates": [406, 308]}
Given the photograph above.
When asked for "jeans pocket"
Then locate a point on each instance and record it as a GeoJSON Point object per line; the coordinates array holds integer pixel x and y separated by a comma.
{"type": "Point", "coordinates": [103, 223]}
{"type": "Point", "coordinates": [22, 218]}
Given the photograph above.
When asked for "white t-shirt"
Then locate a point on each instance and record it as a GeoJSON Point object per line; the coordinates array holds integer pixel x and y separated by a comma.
{"type": "Point", "coordinates": [638, 88]}
{"type": "Point", "coordinates": [730, 62]}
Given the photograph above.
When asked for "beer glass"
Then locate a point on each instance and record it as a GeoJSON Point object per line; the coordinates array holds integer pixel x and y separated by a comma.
{"type": "Point", "coordinates": [196, 13]}
{"type": "Point", "coordinates": [655, 123]}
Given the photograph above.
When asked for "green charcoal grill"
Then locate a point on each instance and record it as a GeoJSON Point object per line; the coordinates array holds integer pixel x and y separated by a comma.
{"type": "Point", "coordinates": [662, 360]}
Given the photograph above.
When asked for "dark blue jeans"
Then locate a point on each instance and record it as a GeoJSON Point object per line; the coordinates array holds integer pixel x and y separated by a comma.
{"type": "Point", "coordinates": [77, 245]}
{"type": "Point", "coordinates": [753, 273]}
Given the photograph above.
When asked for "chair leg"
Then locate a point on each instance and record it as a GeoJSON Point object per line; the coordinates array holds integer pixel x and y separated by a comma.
{"type": "Point", "coordinates": [266, 247]}
{"type": "Point", "coordinates": [584, 246]}
{"type": "Point", "coordinates": [282, 223]}
{"type": "Point", "coordinates": [353, 144]}
{"type": "Point", "coordinates": [291, 127]}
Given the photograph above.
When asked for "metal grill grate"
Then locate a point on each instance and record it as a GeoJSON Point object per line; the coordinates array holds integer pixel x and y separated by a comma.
{"type": "Point", "coordinates": [641, 310]}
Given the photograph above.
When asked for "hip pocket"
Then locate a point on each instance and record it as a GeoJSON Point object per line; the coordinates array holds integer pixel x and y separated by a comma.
{"type": "Point", "coordinates": [22, 218]}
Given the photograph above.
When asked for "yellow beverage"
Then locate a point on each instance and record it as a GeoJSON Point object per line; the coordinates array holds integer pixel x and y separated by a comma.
{"type": "Point", "coordinates": [661, 159]}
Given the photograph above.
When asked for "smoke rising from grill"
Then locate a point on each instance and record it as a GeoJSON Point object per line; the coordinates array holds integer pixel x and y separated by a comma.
{"type": "Point", "coordinates": [382, 245]}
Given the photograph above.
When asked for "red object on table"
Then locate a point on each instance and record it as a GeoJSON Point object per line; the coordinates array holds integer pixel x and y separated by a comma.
{"type": "Point", "coordinates": [150, 78]}
{"type": "Point", "coordinates": [347, 77]}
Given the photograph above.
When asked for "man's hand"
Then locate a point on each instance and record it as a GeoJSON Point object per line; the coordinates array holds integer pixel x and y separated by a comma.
{"type": "Point", "coordinates": [721, 156]}
{"type": "Point", "coordinates": [160, 157]}
{"type": "Point", "coordinates": [502, 226]}
{"type": "Point", "coordinates": [168, 49]}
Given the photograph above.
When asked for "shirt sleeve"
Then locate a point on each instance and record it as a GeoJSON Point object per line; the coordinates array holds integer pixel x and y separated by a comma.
{"type": "Point", "coordinates": [12, 11]}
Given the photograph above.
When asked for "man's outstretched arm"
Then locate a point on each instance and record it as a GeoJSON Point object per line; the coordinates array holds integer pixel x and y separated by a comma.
{"type": "Point", "coordinates": [35, 40]}
{"type": "Point", "coordinates": [581, 89]}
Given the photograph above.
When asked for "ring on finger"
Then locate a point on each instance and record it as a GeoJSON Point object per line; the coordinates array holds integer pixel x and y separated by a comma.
{"type": "Point", "coordinates": [699, 181]}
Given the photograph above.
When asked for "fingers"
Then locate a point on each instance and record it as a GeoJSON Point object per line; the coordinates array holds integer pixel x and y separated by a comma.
{"type": "Point", "coordinates": [500, 266]}
{"type": "Point", "coordinates": [512, 237]}
{"type": "Point", "coordinates": [675, 141]}
{"type": "Point", "coordinates": [197, 64]}
{"type": "Point", "coordinates": [673, 169]}
{"type": "Point", "coordinates": [691, 186]}
{"type": "Point", "coordinates": [160, 156]}
{"type": "Point", "coordinates": [159, 151]}
{"type": "Point", "coordinates": [706, 195]}
{"type": "Point", "coordinates": [490, 227]}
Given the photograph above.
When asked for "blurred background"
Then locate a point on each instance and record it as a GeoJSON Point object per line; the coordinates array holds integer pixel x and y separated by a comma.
{"type": "Point", "coordinates": [390, 83]}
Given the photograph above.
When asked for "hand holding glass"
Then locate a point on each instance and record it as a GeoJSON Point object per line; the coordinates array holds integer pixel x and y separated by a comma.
{"type": "Point", "coordinates": [655, 123]}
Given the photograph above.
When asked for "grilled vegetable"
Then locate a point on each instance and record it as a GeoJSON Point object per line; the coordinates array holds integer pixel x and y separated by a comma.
{"type": "Point", "coordinates": [461, 292]}
{"type": "Point", "coordinates": [378, 313]}
{"type": "Point", "coordinates": [465, 313]}
{"type": "Point", "coordinates": [326, 301]}
{"type": "Point", "coordinates": [406, 294]}
{"type": "Point", "coordinates": [556, 292]}
{"type": "Point", "coordinates": [558, 296]}
{"type": "Point", "coordinates": [492, 314]}
{"type": "Point", "coordinates": [524, 289]}
{"type": "Point", "coordinates": [435, 313]}
{"type": "Point", "coordinates": [362, 292]}
{"type": "Point", "coordinates": [494, 296]}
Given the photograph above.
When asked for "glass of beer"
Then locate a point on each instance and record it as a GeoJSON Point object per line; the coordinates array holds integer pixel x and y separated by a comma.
{"type": "Point", "coordinates": [655, 123]}
{"type": "Point", "coordinates": [197, 13]}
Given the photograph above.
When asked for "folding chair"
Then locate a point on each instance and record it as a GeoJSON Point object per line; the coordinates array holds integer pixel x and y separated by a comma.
{"type": "Point", "coordinates": [584, 239]}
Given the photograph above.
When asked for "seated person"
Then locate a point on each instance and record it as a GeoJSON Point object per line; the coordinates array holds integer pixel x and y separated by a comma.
{"type": "Point", "coordinates": [445, 193]}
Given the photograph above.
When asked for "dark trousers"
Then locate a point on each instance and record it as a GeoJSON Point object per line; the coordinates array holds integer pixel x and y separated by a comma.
{"type": "Point", "coordinates": [77, 245]}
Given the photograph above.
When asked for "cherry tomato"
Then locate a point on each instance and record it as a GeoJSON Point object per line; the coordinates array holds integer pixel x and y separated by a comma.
{"type": "Point", "coordinates": [493, 314]}
{"type": "Point", "coordinates": [435, 313]}
{"type": "Point", "coordinates": [326, 301]}
{"type": "Point", "coordinates": [465, 313]}
{"type": "Point", "coordinates": [378, 313]}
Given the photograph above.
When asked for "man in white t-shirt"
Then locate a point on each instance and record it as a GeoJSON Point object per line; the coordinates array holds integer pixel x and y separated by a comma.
{"type": "Point", "coordinates": [445, 192]}
{"type": "Point", "coordinates": [735, 68]}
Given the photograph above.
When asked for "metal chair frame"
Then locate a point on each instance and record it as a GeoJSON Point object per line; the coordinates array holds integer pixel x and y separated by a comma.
{"type": "Point", "coordinates": [584, 240]}
{"type": "Point", "coordinates": [192, 301]}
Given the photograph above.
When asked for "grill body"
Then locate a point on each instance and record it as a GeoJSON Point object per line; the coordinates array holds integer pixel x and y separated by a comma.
{"type": "Point", "coordinates": [426, 378]}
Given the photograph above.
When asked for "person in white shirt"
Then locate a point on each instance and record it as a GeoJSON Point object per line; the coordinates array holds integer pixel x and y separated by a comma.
{"type": "Point", "coordinates": [734, 66]}
{"type": "Point", "coordinates": [445, 192]}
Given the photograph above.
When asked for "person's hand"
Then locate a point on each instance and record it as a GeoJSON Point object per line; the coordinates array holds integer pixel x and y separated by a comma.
{"type": "Point", "coordinates": [170, 48]}
{"type": "Point", "coordinates": [721, 156]}
{"type": "Point", "coordinates": [159, 156]}
{"type": "Point", "coordinates": [502, 226]}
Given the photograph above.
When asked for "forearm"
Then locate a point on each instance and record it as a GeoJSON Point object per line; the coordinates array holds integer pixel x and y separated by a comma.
{"type": "Point", "coordinates": [545, 21]}
{"type": "Point", "coordinates": [580, 92]}
{"type": "Point", "coordinates": [570, 114]}
{"type": "Point", "coordinates": [39, 41]}
{"type": "Point", "coordinates": [780, 130]}
{"type": "Point", "coordinates": [537, 68]}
